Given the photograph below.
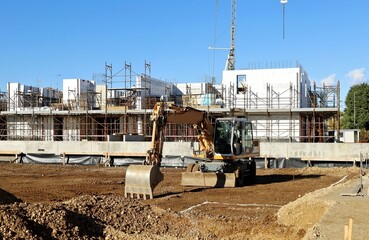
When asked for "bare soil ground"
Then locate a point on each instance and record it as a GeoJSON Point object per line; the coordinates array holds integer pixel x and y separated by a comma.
{"type": "Point", "coordinates": [86, 202]}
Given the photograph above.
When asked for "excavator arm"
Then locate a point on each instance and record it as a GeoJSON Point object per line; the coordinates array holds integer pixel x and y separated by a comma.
{"type": "Point", "coordinates": [162, 115]}
{"type": "Point", "coordinates": [154, 154]}
{"type": "Point", "coordinates": [200, 121]}
{"type": "Point", "coordinates": [142, 179]}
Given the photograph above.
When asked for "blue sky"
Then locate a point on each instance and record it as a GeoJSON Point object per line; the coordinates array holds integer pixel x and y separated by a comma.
{"type": "Point", "coordinates": [43, 41]}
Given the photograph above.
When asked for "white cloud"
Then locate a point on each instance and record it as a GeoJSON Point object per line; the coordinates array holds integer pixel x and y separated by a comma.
{"type": "Point", "coordinates": [329, 81]}
{"type": "Point", "coordinates": [357, 76]}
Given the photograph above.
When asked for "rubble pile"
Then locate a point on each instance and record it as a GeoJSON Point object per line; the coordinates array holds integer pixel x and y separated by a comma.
{"type": "Point", "coordinates": [93, 217]}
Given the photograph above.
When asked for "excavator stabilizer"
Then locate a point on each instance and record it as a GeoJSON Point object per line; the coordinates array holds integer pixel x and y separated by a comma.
{"type": "Point", "coordinates": [141, 180]}
{"type": "Point", "coordinates": [208, 179]}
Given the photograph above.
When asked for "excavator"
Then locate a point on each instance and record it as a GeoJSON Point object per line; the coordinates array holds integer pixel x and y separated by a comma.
{"type": "Point", "coordinates": [223, 153]}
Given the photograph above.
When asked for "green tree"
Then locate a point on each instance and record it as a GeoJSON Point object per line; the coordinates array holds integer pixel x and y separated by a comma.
{"type": "Point", "coordinates": [356, 114]}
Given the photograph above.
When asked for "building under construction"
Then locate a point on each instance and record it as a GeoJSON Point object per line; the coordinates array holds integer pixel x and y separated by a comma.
{"type": "Point", "coordinates": [281, 102]}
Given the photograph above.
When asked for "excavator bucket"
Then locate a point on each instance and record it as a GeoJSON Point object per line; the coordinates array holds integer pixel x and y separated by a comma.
{"type": "Point", "coordinates": [208, 179]}
{"type": "Point", "coordinates": [141, 180]}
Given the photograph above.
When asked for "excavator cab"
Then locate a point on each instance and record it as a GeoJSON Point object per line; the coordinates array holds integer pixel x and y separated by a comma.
{"type": "Point", "coordinates": [233, 137]}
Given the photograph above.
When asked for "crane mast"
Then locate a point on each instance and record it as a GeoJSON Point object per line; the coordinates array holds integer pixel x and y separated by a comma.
{"type": "Point", "coordinates": [230, 65]}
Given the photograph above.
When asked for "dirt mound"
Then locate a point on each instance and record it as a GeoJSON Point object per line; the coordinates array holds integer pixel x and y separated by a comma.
{"type": "Point", "coordinates": [94, 217]}
{"type": "Point", "coordinates": [308, 209]}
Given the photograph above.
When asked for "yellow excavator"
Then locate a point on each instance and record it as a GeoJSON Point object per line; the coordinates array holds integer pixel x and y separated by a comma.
{"type": "Point", "coordinates": [223, 156]}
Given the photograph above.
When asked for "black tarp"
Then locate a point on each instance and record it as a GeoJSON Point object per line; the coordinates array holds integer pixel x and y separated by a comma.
{"type": "Point", "coordinates": [280, 163]}
{"type": "Point", "coordinates": [36, 158]}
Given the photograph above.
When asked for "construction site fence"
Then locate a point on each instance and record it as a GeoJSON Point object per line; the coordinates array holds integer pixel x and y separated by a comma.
{"type": "Point", "coordinates": [176, 161]}
{"type": "Point", "coordinates": [173, 138]}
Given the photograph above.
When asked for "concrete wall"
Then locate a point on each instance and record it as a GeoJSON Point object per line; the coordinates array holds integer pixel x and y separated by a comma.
{"type": "Point", "coordinates": [277, 127]}
{"type": "Point", "coordinates": [350, 135]}
{"type": "Point", "coordinates": [79, 90]}
{"type": "Point", "coordinates": [305, 151]}
{"type": "Point", "coordinates": [153, 87]}
{"type": "Point", "coordinates": [85, 147]}
{"type": "Point", "coordinates": [19, 96]}
{"type": "Point", "coordinates": [315, 151]}
{"type": "Point", "coordinates": [195, 88]}
{"type": "Point", "coordinates": [71, 129]}
{"type": "Point", "coordinates": [279, 79]}
{"type": "Point", "coordinates": [30, 127]}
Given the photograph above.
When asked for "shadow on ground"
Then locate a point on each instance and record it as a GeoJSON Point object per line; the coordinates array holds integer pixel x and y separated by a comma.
{"type": "Point", "coordinates": [276, 178]}
{"type": "Point", "coordinates": [259, 180]}
{"type": "Point", "coordinates": [8, 198]}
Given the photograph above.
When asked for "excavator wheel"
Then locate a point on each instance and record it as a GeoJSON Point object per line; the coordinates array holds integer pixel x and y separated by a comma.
{"type": "Point", "coordinates": [240, 178]}
{"type": "Point", "coordinates": [252, 176]}
{"type": "Point", "coordinates": [249, 178]}
{"type": "Point", "coordinates": [246, 173]}
{"type": "Point", "coordinates": [141, 180]}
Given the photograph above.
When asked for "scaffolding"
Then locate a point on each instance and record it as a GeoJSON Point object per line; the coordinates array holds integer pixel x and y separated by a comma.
{"type": "Point", "coordinates": [248, 99]}
{"type": "Point", "coordinates": [122, 108]}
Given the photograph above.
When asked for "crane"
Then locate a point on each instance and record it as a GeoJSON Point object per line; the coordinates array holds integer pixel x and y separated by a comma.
{"type": "Point", "coordinates": [230, 65]}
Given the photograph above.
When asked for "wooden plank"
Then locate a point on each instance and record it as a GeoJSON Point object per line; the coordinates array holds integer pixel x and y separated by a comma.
{"type": "Point", "coordinates": [345, 236]}
{"type": "Point", "coordinates": [85, 153]}
{"type": "Point", "coordinates": [10, 152]}
{"type": "Point", "coordinates": [349, 237]}
{"type": "Point", "coordinates": [305, 159]}
{"type": "Point", "coordinates": [107, 154]}
{"type": "Point", "coordinates": [125, 154]}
